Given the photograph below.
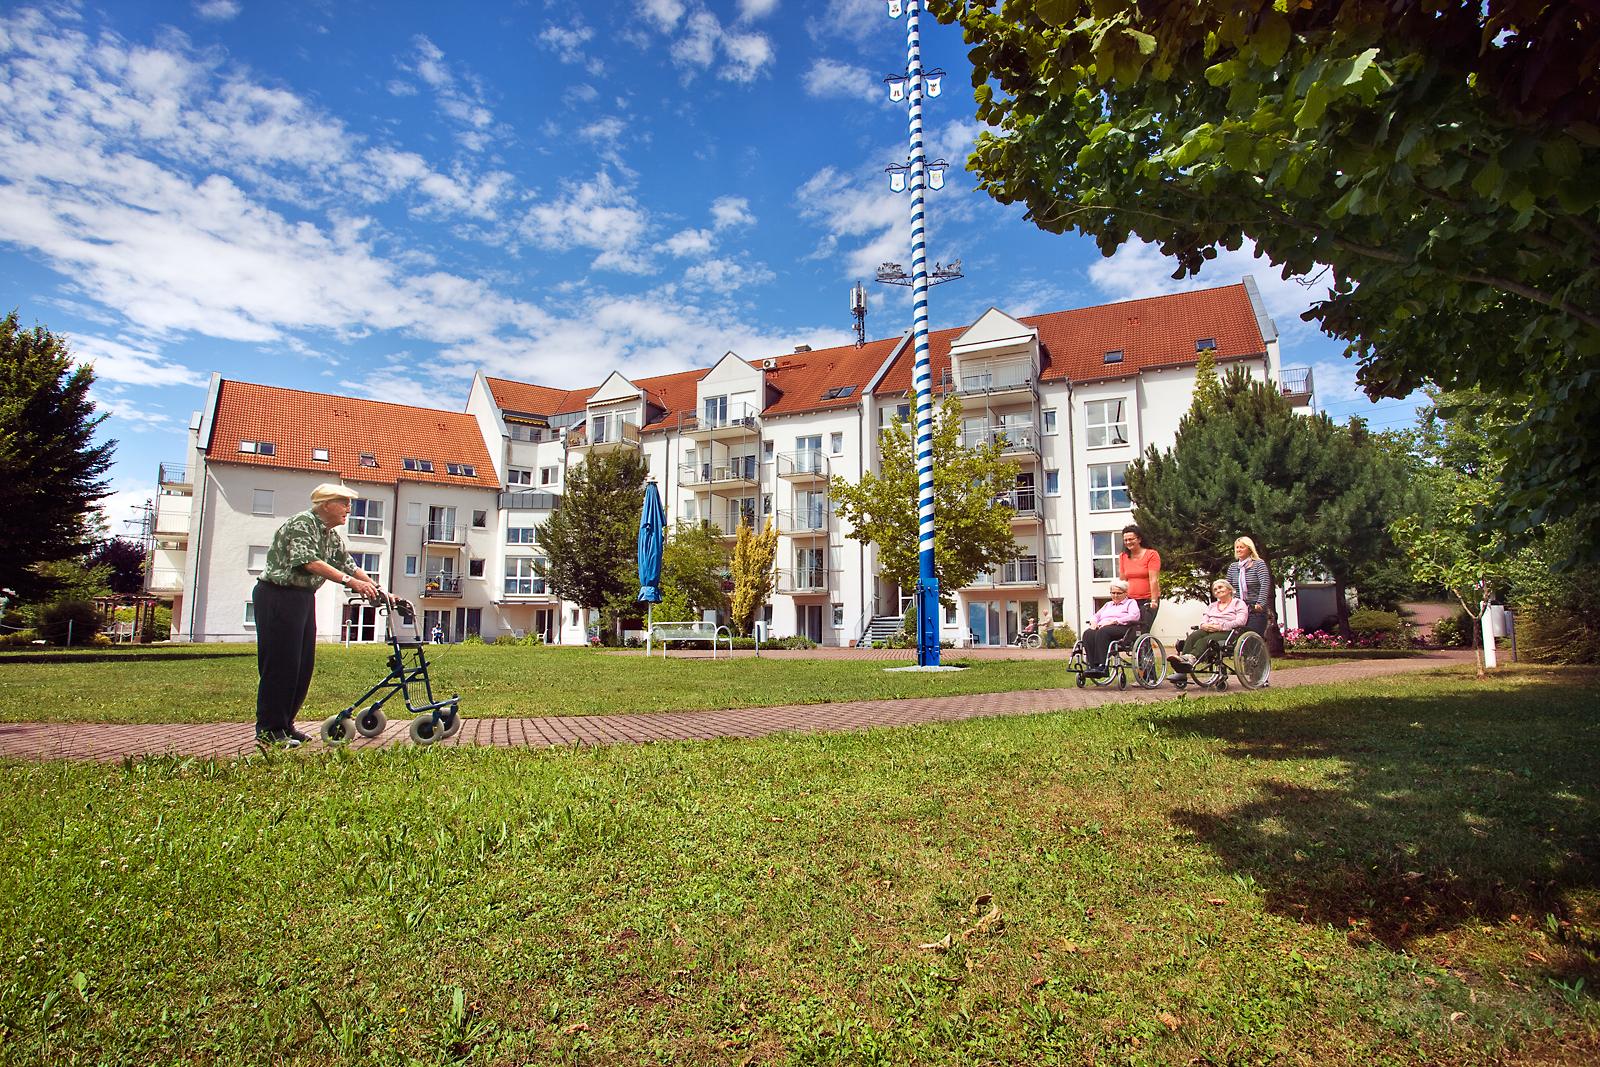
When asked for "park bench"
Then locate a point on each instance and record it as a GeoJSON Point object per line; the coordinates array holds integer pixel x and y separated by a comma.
{"type": "Point", "coordinates": [687, 631]}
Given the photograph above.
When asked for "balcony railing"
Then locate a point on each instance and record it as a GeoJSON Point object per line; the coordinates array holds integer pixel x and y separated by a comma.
{"type": "Point", "coordinates": [1011, 439]}
{"type": "Point", "coordinates": [516, 587]}
{"type": "Point", "coordinates": [441, 585]}
{"type": "Point", "coordinates": [1024, 571]}
{"type": "Point", "coordinates": [803, 580]}
{"type": "Point", "coordinates": [733, 518]}
{"type": "Point", "coordinates": [802, 466]}
{"type": "Point", "coordinates": [803, 521]}
{"type": "Point", "coordinates": [444, 533]}
{"type": "Point", "coordinates": [1002, 380]}
{"type": "Point", "coordinates": [173, 474]}
{"type": "Point", "coordinates": [1296, 384]}
{"type": "Point", "coordinates": [740, 472]}
{"type": "Point", "coordinates": [736, 420]}
{"type": "Point", "coordinates": [614, 434]}
{"type": "Point", "coordinates": [1025, 502]}
{"type": "Point", "coordinates": [164, 580]}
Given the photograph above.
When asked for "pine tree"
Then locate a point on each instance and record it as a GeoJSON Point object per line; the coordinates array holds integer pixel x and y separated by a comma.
{"type": "Point", "coordinates": [53, 469]}
{"type": "Point", "coordinates": [590, 541]}
{"type": "Point", "coordinates": [753, 554]}
{"type": "Point", "coordinates": [971, 533]}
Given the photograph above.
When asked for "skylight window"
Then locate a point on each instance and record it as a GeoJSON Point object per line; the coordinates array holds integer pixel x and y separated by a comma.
{"type": "Point", "coordinates": [838, 392]}
{"type": "Point", "coordinates": [1114, 356]}
{"type": "Point", "coordinates": [319, 455]}
{"type": "Point", "coordinates": [1204, 343]}
{"type": "Point", "coordinates": [461, 470]}
{"type": "Point", "coordinates": [368, 459]}
{"type": "Point", "coordinates": [423, 465]}
{"type": "Point", "coordinates": [258, 448]}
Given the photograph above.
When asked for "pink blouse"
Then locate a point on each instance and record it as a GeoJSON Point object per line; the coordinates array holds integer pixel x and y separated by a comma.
{"type": "Point", "coordinates": [1218, 617]}
{"type": "Point", "coordinates": [1113, 614]}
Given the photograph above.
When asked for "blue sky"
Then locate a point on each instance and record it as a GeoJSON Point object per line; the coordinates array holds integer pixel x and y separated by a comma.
{"type": "Point", "coordinates": [377, 198]}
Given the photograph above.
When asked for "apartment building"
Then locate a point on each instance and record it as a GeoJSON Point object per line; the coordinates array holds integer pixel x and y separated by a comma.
{"type": "Point", "coordinates": [1071, 396]}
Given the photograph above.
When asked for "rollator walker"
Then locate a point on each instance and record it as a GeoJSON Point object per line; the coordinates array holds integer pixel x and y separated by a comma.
{"type": "Point", "coordinates": [408, 666]}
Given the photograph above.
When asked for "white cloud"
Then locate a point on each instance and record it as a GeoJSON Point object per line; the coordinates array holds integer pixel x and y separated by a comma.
{"type": "Point", "coordinates": [748, 56]}
{"type": "Point", "coordinates": [726, 275]}
{"type": "Point", "coordinates": [396, 87]}
{"type": "Point", "coordinates": [608, 129]}
{"type": "Point", "coordinates": [855, 20]}
{"type": "Point", "coordinates": [859, 210]}
{"type": "Point", "coordinates": [698, 46]}
{"type": "Point", "coordinates": [755, 9]}
{"type": "Point", "coordinates": [664, 13]}
{"type": "Point", "coordinates": [689, 243]}
{"type": "Point", "coordinates": [115, 361]}
{"type": "Point", "coordinates": [218, 10]}
{"type": "Point", "coordinates": [567, 43]}
{"type": "Point", "coordinates": [124, 505]}
{"type": "Point", "coordinates": [729, 211]}
{"type": "Point", "coordinates": [599, 214]}
{"type": "Point", "coordinates": [830, 78]}
{"type": "Point", "coordinates": [699, 41]}
{"type": "Point", "coordinates": [459, 99]}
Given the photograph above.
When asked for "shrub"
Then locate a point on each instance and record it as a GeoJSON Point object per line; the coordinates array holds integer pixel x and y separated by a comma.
{"type": "Point", "coordinates": [77, 621]}
{"type": "Point", "coordinates": [474, 639]}
{"type": "Point", "coordinates": [1062, 636]}
{"type": "Point", "coordinates": [507, 639]}
{"type": "Point", "coordinates": [1455, 632]}
{"type": "Point", "coordinates": [18, 638]}
{"type": "Point", "coordinates": [1555, 635]}
{"type": "Point", "coordinates": [1367, 620]}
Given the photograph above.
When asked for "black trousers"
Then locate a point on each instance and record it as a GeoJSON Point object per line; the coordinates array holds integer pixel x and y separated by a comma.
{"type": "Point", "coordinates": [286, 652]}
{"type": "Point", "coordinates": [1147, 615]}
{"type": "Point", "coordinates": [1256, 622]}
{"type": "Point", "coordinates": [1098, 640]}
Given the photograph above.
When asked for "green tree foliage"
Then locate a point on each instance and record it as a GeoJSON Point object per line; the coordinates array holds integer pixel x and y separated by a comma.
{"type": "Point", "coordinates": [693, 568]}
{"type": "Point", "coordinates": [70, 622]}
{"type": "Point", "coordinates": [591, 541]}
{"type": "Point", "coordinates": [971, 532]}
{"type": "Point", "coordinates": [53, 470]}
{"type": "Point", "coordinates": [1314, 495]}
{"type": "Point", "coordinates": [753, 554]}
{"type": "Point", "coordinates": [124, 560]}
{"type": "Point", "coordinates": [1437, 158]}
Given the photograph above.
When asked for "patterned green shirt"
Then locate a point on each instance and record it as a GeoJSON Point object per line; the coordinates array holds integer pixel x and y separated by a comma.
{"type": "Point", "coordinates": [299, 541]}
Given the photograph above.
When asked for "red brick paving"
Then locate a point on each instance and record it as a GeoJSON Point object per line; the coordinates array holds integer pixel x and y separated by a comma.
{"type": "Point", "coordinates": [110, 742]}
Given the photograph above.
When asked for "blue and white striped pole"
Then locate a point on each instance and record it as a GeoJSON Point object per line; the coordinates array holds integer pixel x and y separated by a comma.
{"type": "Point", "coordinates": [922, 379]}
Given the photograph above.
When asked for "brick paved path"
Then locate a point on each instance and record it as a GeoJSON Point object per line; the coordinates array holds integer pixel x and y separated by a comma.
{"type": "Point", "coordinates": [101, 741]}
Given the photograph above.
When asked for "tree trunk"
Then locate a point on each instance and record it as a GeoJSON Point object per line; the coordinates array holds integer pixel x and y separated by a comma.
{"type": "Point", "coordinates": [1341, 609]}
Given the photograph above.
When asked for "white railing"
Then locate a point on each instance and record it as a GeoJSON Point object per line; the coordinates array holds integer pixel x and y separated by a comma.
{"type": "Point", "coordinates": [1012, 438]}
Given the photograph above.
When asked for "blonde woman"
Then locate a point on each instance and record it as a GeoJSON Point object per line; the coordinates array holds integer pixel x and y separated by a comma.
{"type": "Point", "coordinates": [1249, 574]}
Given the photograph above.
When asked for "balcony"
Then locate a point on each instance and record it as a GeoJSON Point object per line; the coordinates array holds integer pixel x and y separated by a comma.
{"type": "Point", "coordinates": [998, 383]}
{"type": "Point", "coordinates": [1023, 572]}
{"type": "Point", "coordinates": [613, 435]}
{"type": "Point", "coordinates": [735, 518]}
{"type": "Point", "coordinates": [441, 585]}
{"type": "Point", "coordinates": [803, 467]}
{"type": "Point", "coordinates": [1013, 440]}
{"type": "Point", "coordinates": [738, 422]}
{"type": "Point", "coordinates": [1296, 385]}
{"type": "Point", "coordinates": [715, 477]}
{"type": "Point", "coordinates": [529, 500]}
{"type": "Point", "coordinates": [803, 522]}
{"type": "Point", "coordinates": [803, 580]}
{"type": "Point", "coordinates": [444, 533]}
{"type": "Point", "coordinates": [1023, 502]}
{"type": "Point", "coordinates": [173, 474]}
{"type": "Point", "coordinates": [520, 589]}
{"type": "Point", "coordinates": [164, 580]}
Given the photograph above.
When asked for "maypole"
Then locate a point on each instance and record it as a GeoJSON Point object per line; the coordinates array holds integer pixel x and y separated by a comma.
{"type": "Point", "coordinates": [918, 169]}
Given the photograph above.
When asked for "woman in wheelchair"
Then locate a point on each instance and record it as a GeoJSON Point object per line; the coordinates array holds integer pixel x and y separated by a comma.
{"type": "Point", "coordinates": [1117, 618]}
{"type": "Point", "coordinates": [1225, 614]}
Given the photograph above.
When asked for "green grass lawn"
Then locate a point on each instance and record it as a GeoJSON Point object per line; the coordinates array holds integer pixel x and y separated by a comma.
{"type": "Point", "coordinates": [217, 683]}
{"type": "Point", "coordinates": [1399, 871]}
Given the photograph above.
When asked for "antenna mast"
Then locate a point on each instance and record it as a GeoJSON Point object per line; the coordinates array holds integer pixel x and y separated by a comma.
{"type": "Point", "coordinates": [858, 311]}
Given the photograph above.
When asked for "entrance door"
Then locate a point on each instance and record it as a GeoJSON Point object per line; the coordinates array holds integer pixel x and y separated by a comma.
{"type": "Point", "coordinates": [811, 621]}
{"type": "Point", "coordinates": [469, 622]}
{"type": "Point", "coordinates": [544, 624]}
{"type": "Point", "coordinates": [431, 618]}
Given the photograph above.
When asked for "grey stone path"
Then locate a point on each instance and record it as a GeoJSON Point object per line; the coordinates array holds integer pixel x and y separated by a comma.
{"type": "Point", "coordinates": [103, 741]}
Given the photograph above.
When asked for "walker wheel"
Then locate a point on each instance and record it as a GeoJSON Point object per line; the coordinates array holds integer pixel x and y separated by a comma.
{"type": "Point", "coordinates": [335, 730]}
{"type": "Point", "coordinates": [424, 731]}
{"type": "Point", "coordinates": [450, 719]}
{"type": "Point", "coordinates": [370, 723]}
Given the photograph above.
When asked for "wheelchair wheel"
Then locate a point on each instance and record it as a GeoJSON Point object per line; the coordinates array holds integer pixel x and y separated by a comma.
{"type": "Point", "coordinates": [1081, 681]}
{"type": "Point", "coordinates": [1033, 641]}
{"type": "Point", "coordinates": [1209, 672]}
{"type": "Point", "coordinates": [370, 723]}
{"type": "Point", "coordinates": [1149, 662]}
{"type": "Point", "coordinates": [1251, 661]}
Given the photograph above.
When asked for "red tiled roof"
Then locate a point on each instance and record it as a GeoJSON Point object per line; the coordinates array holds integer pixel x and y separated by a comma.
{"type": "Point", "coordinates": [297, 422]}
{"type": "Point", "coordinates": [801, 379]}
{"type": "Point", "coordinates": [535, 399]}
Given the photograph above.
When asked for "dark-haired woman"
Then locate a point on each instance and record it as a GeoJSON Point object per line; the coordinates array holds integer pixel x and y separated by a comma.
{"type": "Point", "coordinates": [1140, 567]}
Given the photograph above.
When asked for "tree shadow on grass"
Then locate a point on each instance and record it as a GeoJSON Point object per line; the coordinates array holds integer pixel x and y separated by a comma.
{"type": "Point", "coordinates": [1443, 810]}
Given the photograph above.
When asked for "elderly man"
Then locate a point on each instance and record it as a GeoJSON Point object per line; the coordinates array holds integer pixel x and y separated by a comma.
{"type": "Point", "coordinates": [305, 553]}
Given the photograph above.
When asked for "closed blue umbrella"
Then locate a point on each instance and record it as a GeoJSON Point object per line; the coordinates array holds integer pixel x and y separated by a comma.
{"type": "Point", "coordinates": [652, 535]}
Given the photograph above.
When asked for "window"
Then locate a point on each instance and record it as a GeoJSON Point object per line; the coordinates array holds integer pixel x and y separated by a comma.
{"type": "Point", "coordinates": [902, 412]}
{"type": "Point", "coordinates": [547, 475]}
{"type": "Point", "coordinates": [716, 410]}
{"type": "Point", "coordinates": [1204, 343]}
{"type": "Point", "coordinates": [474, 568]}
{"type": "Point", "coordinates": [838, 616]}
{"type": "Point", "coordinates": [1114, 356]}
{"type": "Point", "coordinates": [261, 502]}
{"type": "Point", "coordinates": [1052, 547]}
{"type": "Point", "coordinates": [522, 576]}
{"type": "Point", "coordinates": [480, 519]}
{"type": "Point", "coordinates": [523, 432]}
{"type": "Point", "coordinates": [574, 615]}
{"type": "Point", "coordinates": [1103, 551]}
{"type": "Point", "coordinates": [836, 443]}
{"type": "Point", "coordinates": [411, 566]}
{"type": "Point", "coordinates": [598, 424]}
{"type": "Point", "coordinates": [766, 503]}
{"type": "Point", "coordinates": [414, 513]}
{"type": "Point", "coordinates": [1052, 483]}
{"type": "Point", "coordinates": [368, 459]}
{"type": "Point", "coordinates": [257, 559]}
{"type": "Point", "coordinates": [518, 476]}
{"type": "Point", "coordinates": [461, 470]}
{"type": "Point", "coordinates": [1106, 422]}
{"type": "Point", "coordinates": [1108, 487]}
{"type": "Point", "coordinates": [258, 448]}
{"type": "Point", "coordinates": [1058, 609]}
{"type": "Point", "coordinates": [521, 535]}
{"type": "Point", "coordinates": [766, 451]}
{"type": "Point", "coordinates": [319, 455]}
{"type": "Point", "coordinates": [366, 518]}
{"type": "Point", "coordinates": [425, 466]}
{"type": "Point", "coordinates": [369, 562]}
{"type": "Point", "coordinates": [838, 392]}
{"type": "Point", "coordinates": [249, 613]}
{"type": "Point", "coordinates": [1048, 417]}
{"type": "Point", "coordinates": [950, 615]}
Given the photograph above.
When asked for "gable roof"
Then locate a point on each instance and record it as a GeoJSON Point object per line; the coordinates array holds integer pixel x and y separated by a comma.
{"type": "Point", "coordinates": [296, 422]}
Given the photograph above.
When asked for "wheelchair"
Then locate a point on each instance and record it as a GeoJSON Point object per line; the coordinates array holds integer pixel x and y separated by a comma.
{"type": "Point", "coordinates": [1244, 656]}
{"type": "Point", "coordinates": [1136, 654]}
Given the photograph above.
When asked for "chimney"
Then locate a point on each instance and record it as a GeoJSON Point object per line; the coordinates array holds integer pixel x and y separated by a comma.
{"type": "Point", "coordinates": [802, 348]}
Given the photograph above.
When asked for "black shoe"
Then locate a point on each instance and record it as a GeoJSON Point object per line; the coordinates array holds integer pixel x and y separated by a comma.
{"type": "Point", "coordinates": [300, 737]}
{"type": "Point", "coordinates": [278, 739]}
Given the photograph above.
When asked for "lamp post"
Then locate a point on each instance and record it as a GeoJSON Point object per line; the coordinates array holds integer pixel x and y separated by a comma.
{"type": "Point", "coordinates": [921, 174]}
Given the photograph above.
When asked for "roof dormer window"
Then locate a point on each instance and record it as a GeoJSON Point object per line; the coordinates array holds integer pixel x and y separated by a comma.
{"type": "Point", "coordinates": [838, 392]}
{"type": "Point", "coordinates": [1114, 356]}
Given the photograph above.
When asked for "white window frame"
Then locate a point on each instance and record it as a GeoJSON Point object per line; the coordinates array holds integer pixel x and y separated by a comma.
{"type": "Point", "coordinates": [255, 563]}
{"type": "Point", "coordinates": [1052, 482]}
{"type": "Point", "coordinates": [414, 513]}
{"type": "Point", "coordinates": [261, 501]}
{"type": "Point", "coordinates": [522, 535]}
{"type": "Point", "coordinates": [250, 613]}
{"type": "Point", "coordinates": [519, 570]}
{"type": "Point", "coordinates": [549, 475]}
{"type": "Point", "coordinates": [375, 572]}
{"type": "Point", "coordinates": [412, 563]}
{"type": "Point", "coordinates": [519, 476]}
{"type": "Point", "coordinates": [1047, 420]}
{"type": "Point", "coordinates": [1104, 424]}
{"type": "Point", "coordinates": [319, 455]}
{"type": "Point", "coordinates": [1108, 492]}
{"type": "Point", "coordinates": [1052, 548]}
{"type": "Point", "coordinates": [1113, 542]}
{"type": "Point", "coordinates": [836, 442]}
{"type": "Point", "coordinates": [362, 522]}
